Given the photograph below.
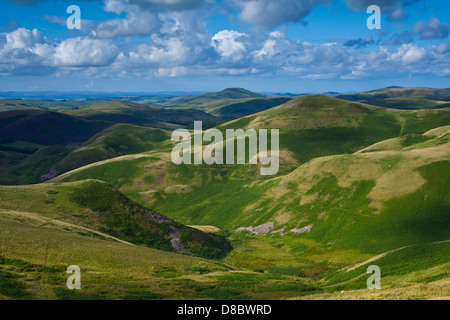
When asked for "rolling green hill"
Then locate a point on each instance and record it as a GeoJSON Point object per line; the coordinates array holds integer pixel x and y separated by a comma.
{"type": "Point", "coordinates": [48, 105]}
{"type": "Point", "coordinates": [204, 99]}
{"type": "Point", "coordinates": [228, 103]}
{"type": "Point", "coordinates": [115, 141]}
{"type": "Point", "coordinates": [241, 109]}
{"type": "Point", "coordinates": [33, 141]}
{"type": "Point", "coordinates": [119, 111]}
{"type": "Point", "coordinates": [46, 127]}
{"type": "Point", "coordinates": [403, 98]}
{"type": "Point", "coordinates": [101, 208]}
{"type": "Point", "coordinates": [310, 127]}
{"type": "Point", "coordinates": [334, 212]}
{"type": "Point", "coordinates": [358, 185]}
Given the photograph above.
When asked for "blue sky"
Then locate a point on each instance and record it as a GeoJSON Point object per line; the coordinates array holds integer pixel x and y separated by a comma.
{"type": "Point", "coordinates": [208, 45]}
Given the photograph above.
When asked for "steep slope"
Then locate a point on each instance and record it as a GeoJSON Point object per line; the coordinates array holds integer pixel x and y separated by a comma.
{"type": "Point", "coordinates": [101, 208]}
{"type": "Point", "coordinates": [119, 111]}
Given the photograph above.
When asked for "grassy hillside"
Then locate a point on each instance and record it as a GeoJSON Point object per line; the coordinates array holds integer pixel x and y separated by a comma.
{"type": "Point", "coordinates": [202, 99]}
{"type": "Point", "coordinates": [101, 208]}
{"type": "Point", "coordinates": [358, 185]}
{"type": "Point", "coordinates": [310, 127]}
{"type": "Point", "coordinates": [115, 141]}
{"type": "Point", "coordinates": [403, 98]}
{"type": "Point", "coordinates": [33, 141]}
{"type": "Point", "coordinates": [47, 128]}
{"type": "Point", "coordinates": [119, 111]}
{"type": "Point", "coordinates": [35, 256]}
{"type": "Point", "coordinates": [330, 212]}
{"type": "Point", "coordinates": [49, 105]}
{"type": "Point", "coordinates": [240, 109]}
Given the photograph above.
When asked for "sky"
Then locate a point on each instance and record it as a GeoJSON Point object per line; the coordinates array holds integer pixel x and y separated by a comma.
{"type": "Point", "coordinates": [297, 46]}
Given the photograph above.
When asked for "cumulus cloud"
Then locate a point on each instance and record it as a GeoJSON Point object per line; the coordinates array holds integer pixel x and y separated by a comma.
{"type": "Point", "coordinates": [229, 44]}
{"type": "Point", "coordinates": [272, 45]}
{"type": "Point", "coordinates": [409, 54]}
{"type": "Point", "coordinates": [176, 50]}
{"type": "Point", "coordinates": [170, 53]}
{"type": "Point", "coordinates": [85, 52]}
{"type": "Point", "coordinates": [23, 39]}
{"type": "Point", "coordinates": [270, 14]}
{"type": "Point", "coordinates": [29, 48]}
{"type": "Point", "coordinates": [431, 29]}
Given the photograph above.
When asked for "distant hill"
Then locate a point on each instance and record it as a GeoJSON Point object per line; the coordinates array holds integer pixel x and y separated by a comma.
{"type": "Point", "coordinates": [230, 93]}
{"type": "Point", "coordinates": [403, 98]}
{"type": "Point", "coordinates": [228, 103]}
{"type": "Point", "coordinates": [50, 105]}
{"type": "Point", "coordinates": [214, 101]}
{"type": "Point", "coordinates": [47, 127]}
{"type": "Point", "coordinates": [245, 108]}
{"type": "Point", "coordinates": [119, 111]}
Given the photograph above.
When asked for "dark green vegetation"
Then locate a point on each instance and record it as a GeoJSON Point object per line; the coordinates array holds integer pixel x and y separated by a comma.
{"type": "Point", "coordinates": [356, 182]}
{"type": "Point", "coordinates": [119, 111]}
{"type": "Point", "coordinates": [249, 107]}
{"type": "Point", "coordinates": [115, 141]}
{"type": "Point", "coordinates": [33, 141]}
{"type": "Point", "coordinates": [403, 98]}
{"type": "Point", "coordinates": [48, 105]}
{"type": "Point", "coordinates": [46, 128]}
{"type": "Point", "coordinates": [24, 162]}
{"type": "Point", "coordinates": [101, 208]}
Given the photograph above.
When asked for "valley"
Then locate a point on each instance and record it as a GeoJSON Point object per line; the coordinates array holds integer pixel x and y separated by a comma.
{"type": "Point", "coordinates": [363, 179]}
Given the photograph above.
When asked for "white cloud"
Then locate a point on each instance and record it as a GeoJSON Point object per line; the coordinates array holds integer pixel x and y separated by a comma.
{"type": "Point", "coordinates": [23, 39]}
{"type": "Point", "coordinates": [229, 44]}
{"type": "Point", "coordinates": [409, 54]}
{"type": "Point", "coordinates": [183, 46]}
{"type": "Point", "coordinates": [272, 46]}
{"type": "Point", "coordinates": [84, 52]}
